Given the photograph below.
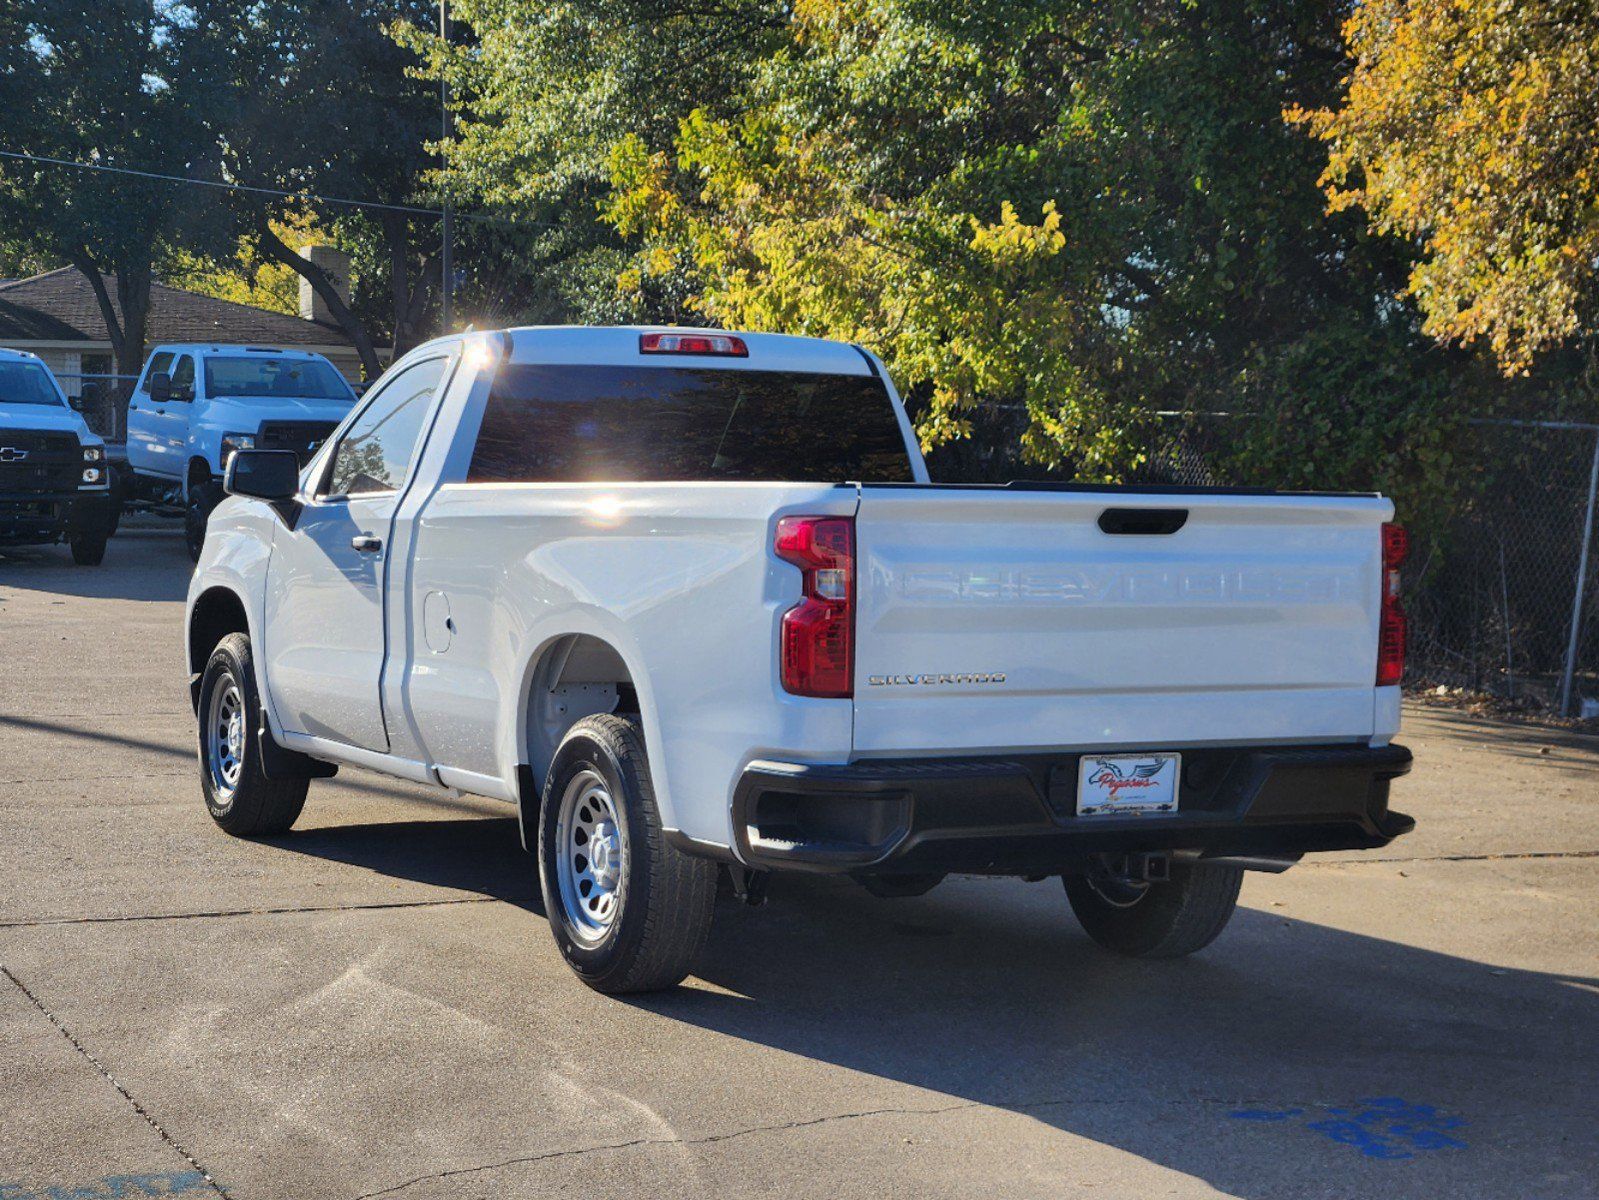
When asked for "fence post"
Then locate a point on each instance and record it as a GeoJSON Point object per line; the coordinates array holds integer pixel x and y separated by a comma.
{"type": "Point", "coordinates": [1582, 582]}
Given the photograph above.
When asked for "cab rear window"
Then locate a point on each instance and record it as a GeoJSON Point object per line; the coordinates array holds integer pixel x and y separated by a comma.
{"type": "Point", "coordinates": [574, 424]}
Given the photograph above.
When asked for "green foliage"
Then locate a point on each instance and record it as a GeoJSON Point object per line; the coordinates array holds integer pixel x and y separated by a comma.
{"type": "Point", "coordinates": [127, 84]}
{"type": "Point", "coordinates": [544, 92]}
{"type": "Point", "coordinates": [329, 107]}
{"type": "Point", "coordinates": [1092, 212]}
{"type": "Point", "coordinates": [243, 275]}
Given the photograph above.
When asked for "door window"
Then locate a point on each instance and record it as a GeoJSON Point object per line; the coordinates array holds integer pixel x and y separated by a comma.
{"type": "Point", "coordinates": [375, 454]}
{"type": "Point", "coordinates": [183, 378]}
{"type": "Point", "coordinates": [160, 362]}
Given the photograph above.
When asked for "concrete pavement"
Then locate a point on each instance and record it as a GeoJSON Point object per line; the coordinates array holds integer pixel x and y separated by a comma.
{"type": "Point", "coordinates": [372, 1005]}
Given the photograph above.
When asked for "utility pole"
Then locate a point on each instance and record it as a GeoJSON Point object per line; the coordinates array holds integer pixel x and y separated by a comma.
{"type": "Point", "coordinates": [446, 265]}
{"type": "Point", "coordinates": [1566, 677]}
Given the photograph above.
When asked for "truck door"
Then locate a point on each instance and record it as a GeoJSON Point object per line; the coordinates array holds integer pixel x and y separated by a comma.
{"type": "Point", "coordinates": [144, 418]}
{"type": "Point", "coordinates": [326, 580]}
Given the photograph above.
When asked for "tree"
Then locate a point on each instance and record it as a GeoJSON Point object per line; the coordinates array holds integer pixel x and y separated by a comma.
{"type": "Point", "coordinates": [328, 109]}
{"type": "Point", "coordinates": [243, 275]}
{"type": "Point", "coordinates": [1090, 212]}
{"type": "Point", "coordinates": [544, 92]}
{"type": "Point", "coordinates": [134, 84]}
{"type": "Point", "coordinates": [1473, 127]}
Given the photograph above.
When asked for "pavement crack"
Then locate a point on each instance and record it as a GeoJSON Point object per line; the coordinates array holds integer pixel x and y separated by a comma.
{"type": "Point", "coordinates": [120, 778]}
{"type": "Point", "coordinates": [258, 912]}
{"type": "Point", "coordinates": [708, 1139]}
{"type": "Point", "coordinates": [1426, 858]}
{"type": "Point", "coordinates": [99, 1066]}
{"type": "Point", "coordinates": [775, 1127]}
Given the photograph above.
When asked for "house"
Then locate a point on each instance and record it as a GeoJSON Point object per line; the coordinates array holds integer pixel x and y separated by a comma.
{"type": "Point", "coordinates": [56, 316]}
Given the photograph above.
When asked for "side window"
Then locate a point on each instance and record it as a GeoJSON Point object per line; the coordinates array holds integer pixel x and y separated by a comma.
{"type": "Point", "coordinates": [183, 378]}
{"type": "Point", "coordinates": [161, 362]}
{"type": "Point", "coordinates": [376, 452]}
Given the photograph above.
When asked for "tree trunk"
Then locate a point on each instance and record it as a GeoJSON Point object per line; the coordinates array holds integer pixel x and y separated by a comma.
{"type": "Point", "coordinates": [90, 270]}
{"type": "Point", "coordinates": [133, 294]}
{"type": "Point", "coordinates": [278, 251]}
{"type": "Point", "coordinates": [416, 303]}
{"type": "Point", "coordinates": [394, 233]}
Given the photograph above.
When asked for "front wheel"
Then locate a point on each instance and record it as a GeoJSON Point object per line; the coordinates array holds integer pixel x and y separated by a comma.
{"type": "Point", "coordinates": [88, 550]}
{"type": "Point", "coordinates": [629, 911]}
{"type": "Point", "coordinates": [202, 498]}
{"type": "Point", "coordinates": [1167, 919]}
{"type": "Point", "coordinates": [238, 796]}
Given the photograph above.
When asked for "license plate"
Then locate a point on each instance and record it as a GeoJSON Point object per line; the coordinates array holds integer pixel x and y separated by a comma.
{"type": "Point", "coordinates": [1127, 783]}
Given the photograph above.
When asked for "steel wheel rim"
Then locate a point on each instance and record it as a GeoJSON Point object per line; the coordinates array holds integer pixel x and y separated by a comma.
{"type": "Point", "coordinates": [224, 737]}
{"type": "Point", "coordinates": [591, 857]}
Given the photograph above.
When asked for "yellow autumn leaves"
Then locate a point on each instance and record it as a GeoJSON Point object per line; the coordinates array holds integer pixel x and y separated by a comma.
{"type": "Point", "coordinates": [1472, 126]}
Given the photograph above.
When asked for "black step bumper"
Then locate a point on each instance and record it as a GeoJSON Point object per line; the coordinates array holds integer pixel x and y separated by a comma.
{"type": "Point", "coordinates": [1017, 815]}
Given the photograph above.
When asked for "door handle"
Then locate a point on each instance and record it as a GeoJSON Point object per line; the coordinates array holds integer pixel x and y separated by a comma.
{"type": "Point", "coordinates": [366, 543]}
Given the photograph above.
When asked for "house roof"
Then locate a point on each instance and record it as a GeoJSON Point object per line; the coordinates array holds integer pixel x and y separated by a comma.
{"type": "Point", "coordinates": [60, 306]}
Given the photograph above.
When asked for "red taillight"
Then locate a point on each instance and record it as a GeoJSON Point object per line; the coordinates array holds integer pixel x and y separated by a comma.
{"type": "Point", "coordinates": [818, 642]}
{"type": "Point", "coordinates": [1391, 624]}
{"type": "Point", "coordinates": [693, 343]}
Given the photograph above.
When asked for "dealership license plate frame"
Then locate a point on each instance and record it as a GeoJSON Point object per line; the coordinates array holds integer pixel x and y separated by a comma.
{"type": "Point", "coordinates": [1123, 784]}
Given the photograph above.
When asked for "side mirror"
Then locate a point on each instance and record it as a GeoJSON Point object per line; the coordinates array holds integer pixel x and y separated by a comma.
{"type": "Point", "coordinates": [264, 474]}
{"type": "Point", "coordinates": [77, 403]}
{"type": "Point", "coordinates": [160, 387]}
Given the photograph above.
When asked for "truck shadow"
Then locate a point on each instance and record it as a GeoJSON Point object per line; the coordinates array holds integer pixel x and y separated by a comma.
{"type": "Point", "coordinates": [137, 566]}
{"type": "Point", "coordinates": [1290, 1059]}
{"type": "Point", "coordinates": [479, 855]}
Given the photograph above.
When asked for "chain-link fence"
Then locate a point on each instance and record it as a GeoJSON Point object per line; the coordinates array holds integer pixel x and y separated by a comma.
{"type": "Point", "coordinates": [102, 399]}
{"type": "Point", "coordinates": [1502, 596]}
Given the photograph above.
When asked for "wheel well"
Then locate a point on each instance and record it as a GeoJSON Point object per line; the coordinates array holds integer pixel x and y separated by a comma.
{"type": "Point", "coordinates": [217, 613]}
{"type": "Point", "coordinates": [199, 472]}
{"type": "Point", "coordinates": [576, 676]}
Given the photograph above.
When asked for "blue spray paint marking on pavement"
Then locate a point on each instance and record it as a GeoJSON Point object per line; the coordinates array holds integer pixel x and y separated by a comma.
{"type": "Point", "coordinates": [112, 1187]}
{"type": "Point", "coordinates": [1383, 1127]}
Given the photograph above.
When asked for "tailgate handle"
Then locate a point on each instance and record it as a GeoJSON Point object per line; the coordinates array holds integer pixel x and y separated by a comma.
{"type": "Point", "coordinates": [1143, 520]}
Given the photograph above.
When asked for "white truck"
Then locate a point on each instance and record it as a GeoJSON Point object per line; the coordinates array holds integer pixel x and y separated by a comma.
{"type": "Point", "coordinates": [689, 601]}
{"type": "Point", "coordinates": [54, 485]}
{"type": "Point", "coordinates": [195, 404]}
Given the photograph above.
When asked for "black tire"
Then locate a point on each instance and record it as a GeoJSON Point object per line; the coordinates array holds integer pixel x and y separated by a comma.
{"type": "Point", "coordinates": [202, 498]}
{"type": "Point", "coordinates": [1163, 920]}
{"type": "Point", "coordinates": [661, 902]}
{"type": "Point", "coordinates": [118, 497]}
{"type": "Point", "coordinates": [88, 550]}
{"type": "Point", "coordinates": [253, 805]}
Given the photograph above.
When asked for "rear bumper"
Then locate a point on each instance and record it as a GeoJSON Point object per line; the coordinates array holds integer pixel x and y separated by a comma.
{"type": "Point", "coordinates": [37, 518]}
{"type": "Point", "coordinates": [1017, 815]}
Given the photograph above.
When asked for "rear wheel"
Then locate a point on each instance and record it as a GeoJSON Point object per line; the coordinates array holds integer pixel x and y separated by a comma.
{"type": "Point", "coordinates": [1165, 919]}
{"type": "Point", "coordinates": [238, 796]}
{"type": "Point", "coordinates": [629, 911]}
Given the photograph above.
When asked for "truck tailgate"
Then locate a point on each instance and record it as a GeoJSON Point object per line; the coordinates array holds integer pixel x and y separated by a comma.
{"type": "Point", "coordinates": [1006, 620]}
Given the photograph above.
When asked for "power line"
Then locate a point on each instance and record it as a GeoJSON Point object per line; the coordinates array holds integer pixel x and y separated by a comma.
{"type": "Point", "coordinates": [278, 193]}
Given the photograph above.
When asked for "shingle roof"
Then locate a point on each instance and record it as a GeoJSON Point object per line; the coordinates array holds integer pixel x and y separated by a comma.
{"type": "Point", "coordinates": [60, 306]}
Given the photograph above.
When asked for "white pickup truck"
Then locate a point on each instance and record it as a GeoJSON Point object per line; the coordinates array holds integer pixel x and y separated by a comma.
{"type": "Point", "coordinates": [689, 601]}
{"type": "Point", "coordinates": [196, 404]}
